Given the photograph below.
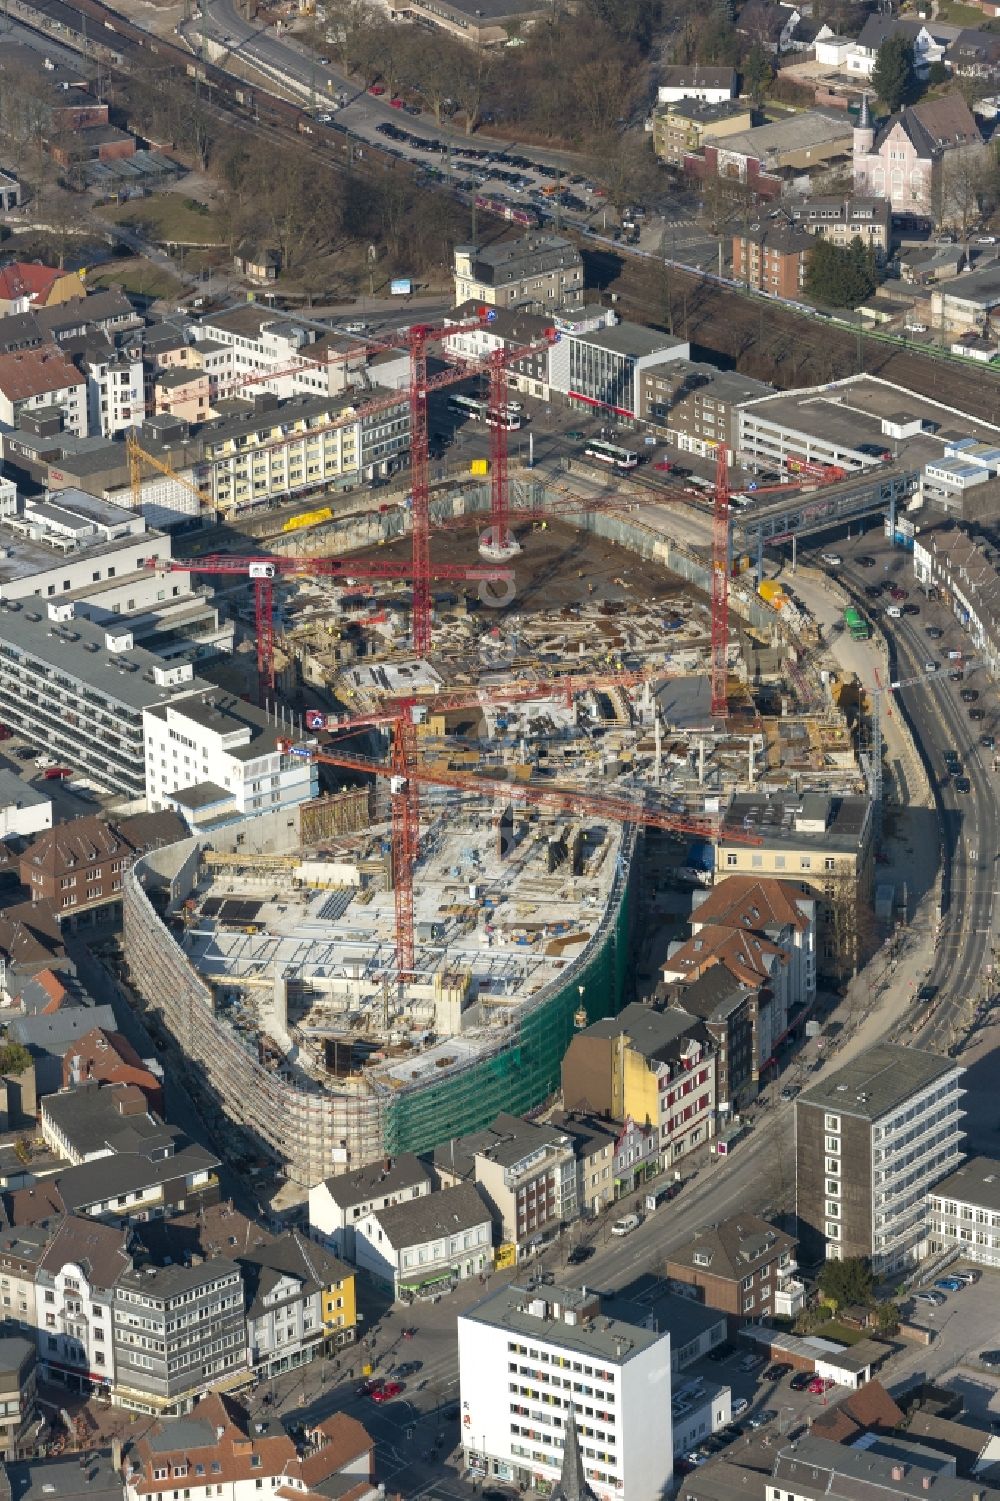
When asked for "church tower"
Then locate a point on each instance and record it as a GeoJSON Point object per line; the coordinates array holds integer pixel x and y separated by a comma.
{"type": "Point", "coordinates": [864, 144]}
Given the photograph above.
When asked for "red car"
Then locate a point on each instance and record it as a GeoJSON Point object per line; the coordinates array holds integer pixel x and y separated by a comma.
{"type": "Point", "coordinates": [665, 466]}
{"type": "Point", "coordinates": [377, 89]}
{"type": "Point", "coordinates": [56, 774]}
{"type": "Point", "coordinates": [398, 103]}
{"type": "Point", "coordinates": [897, 593]}
{"type": "Point", "coordinates": [386, 1392]}
{"type": "Point", "coordinates": [820, 1384]}
{"type": "Point", "coordinates": [5, 733]}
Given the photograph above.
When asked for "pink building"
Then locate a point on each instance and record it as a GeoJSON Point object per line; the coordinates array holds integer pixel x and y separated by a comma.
{"type": "Point", "coordinates": [904, 158]}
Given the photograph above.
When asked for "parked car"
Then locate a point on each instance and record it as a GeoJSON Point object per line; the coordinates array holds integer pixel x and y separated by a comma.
{"type": "Point", "coordinates": [934, 631]}
{"type": "Point", "coordinates": [665, 466]}
{"type": "Point", "coordinates": [987, 742]}
{"type": "Point", "coordinates": [377, 89]}
{"type": "Point", "coordinates": [56, 773]}
{"type": "Point", "coordinates": [24, 752]}
{"type": "Point", "coordinates": [762, 1418]}
{"type": "Point", "coordinates": [789, 1091]}
{"type": "Point", "coordinates": [864, 561]}
{"type": "Point", "coordinates": [777, 1371]}
{"type": "Point", "coordinates": [752, 1362]}
{"type": "Point", "coordinates": [371, 1385]}
{"type": "Point", "coordinates": [722, 1352]}
{"type": "Point", "coordinates": [408, 1368]}
{"type": "Point", "coordinates": [977, 714]}
{"type": "Point", "coordinates": [969, 1277]}
{"type": "Point", "coordinates": [579, 1255]}
{"type": "Point", "coordinates": [969, 695]}
{"type": "Point", "coordinates": [800, 1381]}
{"type": "Point", "coordinates": [625, 1225]}
{"type": "Point", "coordinates": [934, 1300]}
{"type": "Point", "coordinates": [739, 1406]}
{"type": "Point", "coordinates": [832, 558]}
{"type": "Point", "coordinates": [911, 609]}
{"type": "Point", "coordinates": [898, 592]}
{"type": "Point", "coordinates": [990, 1358]}
{"type": "Point", "coordinates": [820, 1384]}
{"type": "Point", "coordinates": [962, 784]}
{"type": "Point", "coordinates": [949, 1284]}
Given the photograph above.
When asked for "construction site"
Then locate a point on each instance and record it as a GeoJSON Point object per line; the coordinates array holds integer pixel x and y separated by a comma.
{"type": "Point", "coordinates": [546, 738]}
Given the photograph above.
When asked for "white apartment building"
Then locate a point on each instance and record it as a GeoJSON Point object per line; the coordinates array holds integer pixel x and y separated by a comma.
{"type": "Point", "coordinates": [74, 1297]}
{"type": "Point", "coordinates": [871, 1141]}
{"type": "Point", "coordinates": [963, 1213]}
{"type": "Point", "coordinates": [284, 356]}
{"type": "Point", "coordinates": [210, 756]}
{"type": "Point", "coordinates": [115, 397]}
{"type": "Point", "coordinates": [531, 1357]}
{"type": "Point", "coordinates": [427, 1243]}
{"type": "Point", "coordinates": [338, 1205]}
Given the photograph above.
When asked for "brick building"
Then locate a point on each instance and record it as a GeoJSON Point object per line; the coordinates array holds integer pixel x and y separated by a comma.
{"type": "Point", "coordinates": [109, 1058]}
{"type": "Point", "coordinates": [842, 218]}
{"type": "Point", "coordinates": [695, 406]}
{"type": "Point", "coordinates": [78, 867]}
{"type": "Point", "coordinates": [739, 1265]}
{"type": "Point", "coordinates": [772, 258]}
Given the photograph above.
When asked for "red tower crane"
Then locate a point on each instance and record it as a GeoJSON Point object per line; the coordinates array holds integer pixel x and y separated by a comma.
{"type": "Point", "coordinates": [406, 777]}
{"type": "Point", "coordinates": [499, 542]}
{"type": "Point", "coordinates": [720, 585]}
{"type": "Point", "coordinates": [263, 571]}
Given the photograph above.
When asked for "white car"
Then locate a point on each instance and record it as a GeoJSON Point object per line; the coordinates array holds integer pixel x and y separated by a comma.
{"type": "Point", "coordinates": [833, 558]}
{"type": "Point", "coordinates": [915, 328]}
{"type": "Point", "coordinates": [43, 761]}
{"type": "Point", "coordinates": [625, 1225]}
{"type": "Point", "coordinates": [740, 1406]}
{"type": "Point", "coordinates": [986, 240]}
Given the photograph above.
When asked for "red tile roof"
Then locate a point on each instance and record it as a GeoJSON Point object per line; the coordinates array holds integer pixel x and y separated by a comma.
{"type": "Point", "coordinates": [36, 372]}
{"type": "Point", "coordinates": [28, 279]}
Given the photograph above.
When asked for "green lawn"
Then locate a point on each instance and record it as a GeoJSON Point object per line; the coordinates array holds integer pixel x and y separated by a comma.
{"type": "Point", "coordinates": [840, 1333]}
{"type": "Point", "coordinates": [169, 217]}
{"type": "Point", "coordinates": [955, 14]}
{"type": "Point", "coordinates": [137, 275]}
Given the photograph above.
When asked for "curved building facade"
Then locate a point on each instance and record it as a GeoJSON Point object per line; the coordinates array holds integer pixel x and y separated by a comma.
{"type": "Point", "coordinates": [317, 1127]}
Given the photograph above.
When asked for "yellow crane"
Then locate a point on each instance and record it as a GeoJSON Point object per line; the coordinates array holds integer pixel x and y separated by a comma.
{"type": "Point", "coordinates": [138, 456]}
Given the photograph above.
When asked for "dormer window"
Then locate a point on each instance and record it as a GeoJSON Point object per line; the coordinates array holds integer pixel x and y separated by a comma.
{"type": "Point", "coordinates": [255, 1461]}
{"type": "Point", "coordinates": [703, 1258]}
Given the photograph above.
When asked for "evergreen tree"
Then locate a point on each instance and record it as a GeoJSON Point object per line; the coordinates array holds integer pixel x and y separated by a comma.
{"type": "Point", "coordinates": [757, 73]}
{"type": "Point", "coordinates": [895, 78]}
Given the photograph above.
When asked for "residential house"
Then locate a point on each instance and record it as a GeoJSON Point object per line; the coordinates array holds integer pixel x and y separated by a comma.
{"type": "Point", "coordinates": [772, 257]}
{"type": "Point", "coordinates": [427, 1244]}
{"type": "Point", "coordinates": [115, 386]}
{"type": "Point", "coordinates": [338, 1204]}
{"type": "Point", "coordinates": [157, 1179]}
{"type": "Point", "coordinates": [43, 378]}
{"type": "Point", "coordinates": [258, 264]}
{"type": "Point", "coordinates": [637, 1156]}
{"type": "Point", "coordinates": [594, 1144]}
{"type": "Point", "coordinates": [726, 999]}
{"type": "Point", "coordinates": [652, 1066]}
{"type": "Point", "coordinates": [177, 1331]}
{"type": "Point", "coordinates": [763, 930]}
{"type": "Point", "coordinates": [739, 1265]}
{"type": "Point", "coordinates": [518, 1346]}
{"type": "Point", "coordinates": [10, 192]}
{"type": "Point", "coordinates": [109, 1058]}
{"type": "Point", "coordinates": [49, 1035]}
{"type": "Point", "coordinates": [696, 406]}
{"type": "Point", "coordinates": [221, 1455]}
{"type": "Point", "coordinates": [909, 157]}
{"type": "Point", "coordinates": [300, 1302]}
{"type": "Point", "coordinates": [844, 219]}
{"type": "Point", "coordinates": [871, 1140]}
{"type": "Point", "coordinates": [24, 810]}
{"type": "Point", "coordinates": [696, 81]}
{"type": "Point", "coordinates": [542, 270]}
{"type": "Point", "coordinates": [526, 1173]}
{"type": "Point", "coordinates": [507, 329]}
{"type": "Point", "coordinates": [814, 838]}
{"type": "Point", "coordinates": [25, 285]}
{"type": "Point", "coordinates": [975, 54]}
{"type": "Point", "coordinates": [18, 1387]}
{"type": "Point", "coordinates": [882, 25]}
{"type": "Point", "coordinates": [183, 393]}
{"type": "Point", "coordinates": [681, 127]}
{"type": "Point", "coordinates": [76, 1280]}
{"type": "Point", "coordinates": [94, 1120]}
{"type": "Point", "coordinates": [960, 565]}
{"type": "Point", "coordinates": [79, 867]}
{"type": "Point", "coordinates": [21, 1250]}
{"type": "Point", "coordinates": [772, 25]}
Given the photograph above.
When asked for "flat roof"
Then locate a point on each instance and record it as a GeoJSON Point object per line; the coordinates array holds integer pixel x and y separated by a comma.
{"type": "Point", "coordinates": [878, 1082]}
{"type": "Point", "coordinates": [15, 792]}
{"type": "Point", "coordinates": [975, 1182]}
{"type": "Point", "coordinates": [631, 338]}
{"type": "Point", "coordinates": [799, 132]}
{"type": "Point", "coordinates": [81, 652]}
{"type": "Point", "coordinates": [774, 818]}
{"type": "Point", "coordinates": [600, 1337]}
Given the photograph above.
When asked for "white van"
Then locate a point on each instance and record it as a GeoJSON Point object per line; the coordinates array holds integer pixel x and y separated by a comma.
{"type": "Point", "coordinates": [625, 1225]}
{"type": "Point", "coordinates": [894, 612]}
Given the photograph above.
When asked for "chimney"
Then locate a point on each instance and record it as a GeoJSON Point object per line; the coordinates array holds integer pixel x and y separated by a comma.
{"type": "Point", "coordinates": [898, 1472]}
{"type": "Point", "coordinates": [926, 1482]}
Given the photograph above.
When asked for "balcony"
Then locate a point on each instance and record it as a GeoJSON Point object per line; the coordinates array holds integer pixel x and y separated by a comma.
{"type": "Point", "coordinates": [790, 1298]}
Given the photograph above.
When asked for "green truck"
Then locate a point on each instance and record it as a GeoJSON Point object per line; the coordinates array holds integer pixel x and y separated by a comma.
{"type": "Point", "coordinates": [856, 624]}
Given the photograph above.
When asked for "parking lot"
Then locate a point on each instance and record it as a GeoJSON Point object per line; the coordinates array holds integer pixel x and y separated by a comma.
{"type": "Point", "coordinates": [965, 1325]}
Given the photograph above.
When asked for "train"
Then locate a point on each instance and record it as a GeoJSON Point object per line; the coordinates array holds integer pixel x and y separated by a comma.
{"type": "Point", "coordinates": [504, 210]}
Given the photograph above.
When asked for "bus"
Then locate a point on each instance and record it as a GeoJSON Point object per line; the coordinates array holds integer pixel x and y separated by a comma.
{"type": "Point", "coordinates": [857, 625]}
{"type": "Point", "coordinates": [468, 406]}
{"type": "Point", "coordinates": [610, 453]}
